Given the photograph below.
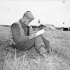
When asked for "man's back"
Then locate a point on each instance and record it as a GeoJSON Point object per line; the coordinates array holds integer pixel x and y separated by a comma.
{"type": "Point", "coordinates": [18, 32]}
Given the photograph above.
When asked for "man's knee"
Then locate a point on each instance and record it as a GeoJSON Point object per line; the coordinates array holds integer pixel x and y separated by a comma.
{"type": "Point", "coordinates": [39, 42]}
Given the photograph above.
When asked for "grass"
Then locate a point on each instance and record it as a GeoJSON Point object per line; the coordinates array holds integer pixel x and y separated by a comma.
{"type": "Point", "coordinates": [40, 63]}
{"type": "Point", "coordinates": [30, 60]}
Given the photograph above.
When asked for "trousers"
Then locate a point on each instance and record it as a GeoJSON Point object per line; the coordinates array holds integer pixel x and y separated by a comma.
{"type": "Point", "coordinates": [35, 42]}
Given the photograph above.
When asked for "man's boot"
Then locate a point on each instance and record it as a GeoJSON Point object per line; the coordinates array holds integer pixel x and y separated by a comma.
{"type": "Point", "coordinates": [42, 51]}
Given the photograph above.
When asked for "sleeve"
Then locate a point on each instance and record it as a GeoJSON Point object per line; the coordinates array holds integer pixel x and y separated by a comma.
{"type": "Point", "coordinates": [17, 37]}
{"type": "Point", "coordinates": [15, 32]}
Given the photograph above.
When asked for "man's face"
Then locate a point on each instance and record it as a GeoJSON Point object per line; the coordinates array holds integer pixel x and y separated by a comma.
{"type": "Point", "coordinates": [28, 21]}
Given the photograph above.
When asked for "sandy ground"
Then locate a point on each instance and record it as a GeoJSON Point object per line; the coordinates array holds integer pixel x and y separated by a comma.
{"type": "Point", "coordinates": [58, 60]}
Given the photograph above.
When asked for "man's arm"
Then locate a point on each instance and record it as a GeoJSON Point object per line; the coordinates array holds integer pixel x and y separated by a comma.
{"type": "Point", "coordinates": [17, 35]}
{"type": "Point", "coordinates": [33, 31]}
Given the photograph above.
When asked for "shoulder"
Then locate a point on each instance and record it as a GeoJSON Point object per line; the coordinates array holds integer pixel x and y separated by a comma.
{"type": "Point", "coordinates": [15, 28]}
{"type": "Point", "coordinates": [14, 25]}
{"type": "Point", "coordinates": [15, 31]}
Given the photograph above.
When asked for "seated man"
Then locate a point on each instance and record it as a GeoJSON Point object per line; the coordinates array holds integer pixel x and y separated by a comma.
{"type": "Point", "coordinates": [25, 38]}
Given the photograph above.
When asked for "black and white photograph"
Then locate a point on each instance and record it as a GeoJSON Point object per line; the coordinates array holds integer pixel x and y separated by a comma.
{"type": "Point", "coordinates": [34, 34]}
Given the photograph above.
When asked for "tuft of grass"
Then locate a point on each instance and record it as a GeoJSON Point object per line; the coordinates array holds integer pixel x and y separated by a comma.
{"type": "Point", "coordinates": [21, 63]}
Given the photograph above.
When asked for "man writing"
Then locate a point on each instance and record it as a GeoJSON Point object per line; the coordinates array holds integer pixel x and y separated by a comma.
{"type": "Point", "coordinates": [25, 38]}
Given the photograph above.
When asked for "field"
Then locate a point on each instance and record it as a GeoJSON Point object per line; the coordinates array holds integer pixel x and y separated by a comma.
{"type": "Point", "coordinates": [59, 59]}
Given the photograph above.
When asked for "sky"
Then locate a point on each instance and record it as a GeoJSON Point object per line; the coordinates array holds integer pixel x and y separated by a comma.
{"type": "Point", "coordinates": [49, 12]}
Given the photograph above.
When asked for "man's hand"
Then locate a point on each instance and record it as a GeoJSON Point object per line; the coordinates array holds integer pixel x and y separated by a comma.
{"type": "Point", "coordinates": [32, 31]}
{"type": "Point", "coordinates": [32, 36]}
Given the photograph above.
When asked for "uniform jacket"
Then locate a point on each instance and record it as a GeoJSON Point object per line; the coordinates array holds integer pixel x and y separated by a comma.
{"type": "Point", "coordinates": [19, 32]}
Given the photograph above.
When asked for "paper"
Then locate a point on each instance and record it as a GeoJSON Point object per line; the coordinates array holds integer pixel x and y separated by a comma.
{"type": "Point", "coordinates": [40, 32]}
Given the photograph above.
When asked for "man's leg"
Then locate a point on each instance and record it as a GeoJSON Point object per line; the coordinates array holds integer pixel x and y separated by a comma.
{"type": "Point", "coordinates": [25, 46]}
{"type": "Point", "coordinates": [47, 44]}
{"type": "Point", "coordinates": [39, 42]}
{"type": "Point", "coordinates": [40, 46]}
